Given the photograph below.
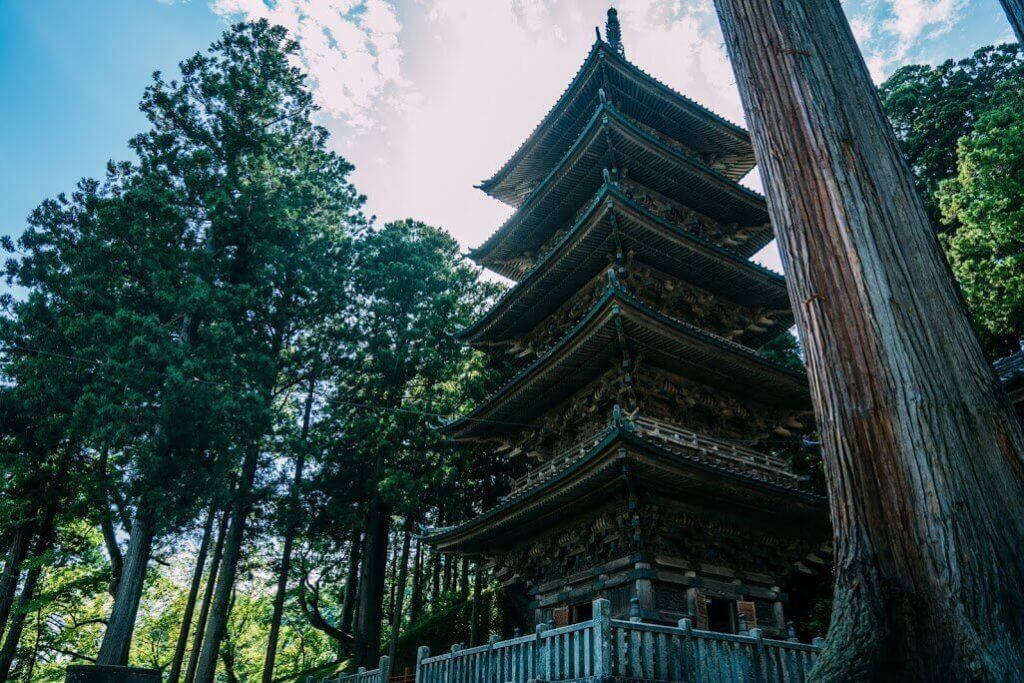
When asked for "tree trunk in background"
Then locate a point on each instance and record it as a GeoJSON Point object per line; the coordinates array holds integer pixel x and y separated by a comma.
{"type": "Point", "coordinates": [12, 567]}
{"type": "Point", "coordinates": [117, 639]}
{"type": "Point", "coordinates": [43, 542]}
{"type": "Point", "coordinates": [204, 608]}
{"type": "Point", "coordinates": [221, 606]}
{"type": "Point", "coordinates": [190, 601]}
{"type": "Point", "coordinates": [922, 451]}
{"type": "Point", "coordinates": [289, 537]}
{"type": "Point", "coordinates": [403, 575]}
{"type": "Point", "coordinates": [1015, 13]}
{"type": "Point", "coordinates": [474, 613]}
{"type": "Point", "coordinates": [392, 573]}
{"type": "Point", "coordinates": [464, 578]}
{"type": "Point", "coordinates": [435, 578]}
{"type": "Point", "coordinates": [371, 578]}
{"type": "Point", "coordinates": [416, 601]}
{"type": "Point", "coordinates": [447, 582]}
{"type": "Point", "coordinates": [348, 608]}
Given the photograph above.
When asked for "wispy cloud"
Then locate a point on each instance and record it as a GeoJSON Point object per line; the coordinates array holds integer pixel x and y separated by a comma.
{"type": "Point", "coordinates": [913, 19]}
{"type": "Point", "coordinates": [350, 48]}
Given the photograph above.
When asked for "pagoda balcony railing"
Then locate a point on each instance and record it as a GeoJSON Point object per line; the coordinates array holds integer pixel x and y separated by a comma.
{"type": "Point", "coordinates": [720, 452]}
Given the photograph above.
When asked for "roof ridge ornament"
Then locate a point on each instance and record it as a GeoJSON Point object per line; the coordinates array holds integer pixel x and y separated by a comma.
{"type": "Point", "coordinates": [613, 32]}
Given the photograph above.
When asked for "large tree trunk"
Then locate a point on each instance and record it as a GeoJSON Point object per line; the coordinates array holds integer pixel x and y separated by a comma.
{"type": "Point", "coordinates": [117, 639]}
{"type": "Point", "coordinates": [43, 542]}
{"type": "Point", "coordinates": [12, 566]}
{"type": "Point", "coordinates": [435, 575]}
{"type": "Point", "coordinates": [190, 601]}
{"type": "Point", "coordinates": [348, 607]}
{"type": "Point", "coordinates": [474, 612]}
{"type": "Point", "coordinates": [403, 575]}
{"type": "Point", "coordinates": [922, 451]}
{"type": "Point", "coordinates": [204, 608]}
{"type": "Point", "coordinates": [221, 606]}
{"type": "Point", "coordinates": [416, 601]}
{"type": "Point", "coordinates": [289, 537]}
{"type": "Point", "coordinates": [1015, 13]}
{"type": "Point", "coordinates": [371, 578]}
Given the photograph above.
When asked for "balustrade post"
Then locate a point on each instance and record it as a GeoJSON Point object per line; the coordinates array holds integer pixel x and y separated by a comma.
{"type": "Point", "coordinates": [602, 610]}
{"type": "Point", "coordinates": [384, 669]}
{"type": "Point", "coordinates": [541, 655]}
{"type": "Point", "coordinates": [818, 642]}
{"type": "Point", "coordinates": [422, 652]}
{"type": "Point", "coordinates": [689, 647]}
{"type": "Point", "coordinates": [758, 653]}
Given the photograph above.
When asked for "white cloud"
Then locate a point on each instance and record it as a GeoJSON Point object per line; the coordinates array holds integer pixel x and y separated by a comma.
{"type": "Point", "coordinates": [350, 48]}
{"type": "Point", "coordinates": [910, 19]}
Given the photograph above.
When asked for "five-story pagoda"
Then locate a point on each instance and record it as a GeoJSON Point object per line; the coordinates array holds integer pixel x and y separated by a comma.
{"type": "Point", "coordinates": [640, 406]}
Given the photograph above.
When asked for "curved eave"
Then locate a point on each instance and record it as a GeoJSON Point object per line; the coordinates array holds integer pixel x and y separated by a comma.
{"type": "Point", "coordinates": [612, 141]}
{"type": "Point", "coordinates": [583, 252]}
{"type": "Point", "coordinates": [644, 97]}
{"type": "Point", "coordinates": [593, 346]}
{"type": "Point", "coordinates": [589, 481]}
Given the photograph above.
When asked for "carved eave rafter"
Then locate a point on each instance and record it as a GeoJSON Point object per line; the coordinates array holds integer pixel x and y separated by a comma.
{"type": "Point", "coordinates": [614, 226]}
{"type": "Point", "coordinates": [613, 146]}
{"type": "Point", "coordinates": [623, 458]}
{"type": "Point", "coordinates": [722, 144]}
{"type": "Point", "coordinates": [595, 344]}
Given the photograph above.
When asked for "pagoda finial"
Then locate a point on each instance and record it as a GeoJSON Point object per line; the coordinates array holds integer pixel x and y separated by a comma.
{"type": "Point", "coordinates": [613, 32]}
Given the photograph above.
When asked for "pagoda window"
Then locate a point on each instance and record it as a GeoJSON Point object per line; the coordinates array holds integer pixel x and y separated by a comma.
{"type": "Point", "coordinates": [580, 612]}
{"type": "Point", "coordinates": [721, 614]}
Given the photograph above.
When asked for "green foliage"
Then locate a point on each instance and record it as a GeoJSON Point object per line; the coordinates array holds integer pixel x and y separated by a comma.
{"type": "Point", "coordinates": [985, 203]}
{"type": "Point", "coordinates": [785, 350]}
{"type": "Point", "coordinates": [932, 107]}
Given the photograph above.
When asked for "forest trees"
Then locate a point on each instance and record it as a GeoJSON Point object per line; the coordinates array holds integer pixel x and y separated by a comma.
{"type": "Point", "coordinates": [213, 338]}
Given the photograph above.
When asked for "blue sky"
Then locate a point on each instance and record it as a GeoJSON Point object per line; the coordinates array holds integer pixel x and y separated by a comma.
{"type": "Point", "coordinates": [425, 97]}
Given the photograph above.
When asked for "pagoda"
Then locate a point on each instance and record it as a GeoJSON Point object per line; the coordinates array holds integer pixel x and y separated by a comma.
{"type": "Point", "coordinates": [641, 414]}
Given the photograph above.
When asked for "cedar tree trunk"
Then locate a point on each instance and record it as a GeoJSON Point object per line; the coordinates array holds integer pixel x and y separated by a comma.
{"type": "Point", "coordinates": [12, 567]}
{"type": "Point", "coordinates": [416, 601]}
{"type": "Point", "coordinates": [1015, 13]}
{"type": "Point", "coordinates": [221, 606]}
{"type": "Point", "coordinates": [43, 542]}
{"type": "Point", "coordinates": [922, 452]}
{"type": "Point", "coordinates": [403, 575]}
{"type": "Point", "coordinates": [474, 612]}
{"type": "Point", "coordinates": [289, 537]}
{"type": "Point", "coordinates": [117, 639]}
{"type": "Point", "coordinates": [371, 578]}
{"type": "Point", "coordinates": [348, 608]}
{"type": "Point", "coordinates": [190, 601]}
{"type": "Point", "coordinates": [204, 608]}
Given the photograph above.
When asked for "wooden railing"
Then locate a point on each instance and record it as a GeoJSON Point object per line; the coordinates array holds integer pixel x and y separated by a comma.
{"type": "Point", "coordinates": [603, 648]}
{"type": "Point", "coordinates": [379, 675]}
{"type": "Point", "coordinates": [716, 451]}
{"type": "Point", "coordinates": [724, 452]}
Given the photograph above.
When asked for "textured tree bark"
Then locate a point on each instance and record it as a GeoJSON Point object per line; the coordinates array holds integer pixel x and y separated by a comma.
{"type": "Point", "coordinates": [17, 624]}
{"type": "Point", "coordinates": [1015, 13]}
{"type": "Point", "coordinates": [922, 451]}
{"type": "Point", "coordinates": [371, 578]}
{"type": "Point", "coordinates": [221, 605]}
{"type": "Point", "coordinates": [435, 576]}
{"type": "Point", "coordinates": [403, 576]}
{"type": "Point", "coordinates": [289, 537]}
{"type": "Point", "coordinates": [190, 600]}
{"type": "Point", "coordinates": [117, 639]}
{"type": "Point", "coordinates": [204, 608]}
{"type": "Point", "coordinates": [12, 566]}
{"type": "Point", "coordinates": [416, 600]}
{"type": "Point", "coordinates": [348, 608]}
{"type": "Point", "coordinates": [474, 615]}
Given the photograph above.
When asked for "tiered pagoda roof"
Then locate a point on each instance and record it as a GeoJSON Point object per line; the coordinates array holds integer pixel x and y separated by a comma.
{"type": "Point", "coordinates": [610, 142]}
{"type": "Point", "coordinates": [625, 191]}
{"type": "Point", "coordinates": [619, 324]}
{"type": "Point", "coordinates": [722, 144]}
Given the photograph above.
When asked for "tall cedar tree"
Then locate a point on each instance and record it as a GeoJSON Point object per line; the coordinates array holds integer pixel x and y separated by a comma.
{"type": "Point", "coordinates": [411, 288]}
{"type": "Point", "coordinates": [923, 452]}
{"type": "Point", "coordinates": [235, 138]}
{"type": "Point", "coordinates": [985, 204]}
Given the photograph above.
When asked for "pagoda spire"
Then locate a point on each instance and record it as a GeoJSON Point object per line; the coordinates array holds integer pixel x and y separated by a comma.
{"type": "Point", "coordinates": [613, 32]}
